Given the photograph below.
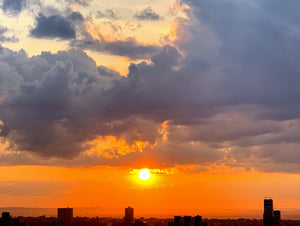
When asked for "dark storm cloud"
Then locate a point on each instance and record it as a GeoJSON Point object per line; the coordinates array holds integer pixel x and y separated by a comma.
{"type": "Point", "coordinates": [129, 48]}
{"type": "Point", "coordinates": [13, 6]}
{"type": "Point", "coordinates": [53, 91]}
{"type": "Point", "coordinates": [147, 14]}
{"type": "Point", "coordinates": [54, 26]}
{"type": "Point", "coordinates": [56, 102]}
{"type": "Point", "coordinates": [232, 97]}
{"type": "Point", "coordinates": [255, 44]}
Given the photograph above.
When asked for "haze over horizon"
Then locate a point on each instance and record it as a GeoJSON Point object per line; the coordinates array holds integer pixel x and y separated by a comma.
{"type": "Point", "coordinates": [204, 94]}
{"type": "Point", "coordinates": [292, 214]}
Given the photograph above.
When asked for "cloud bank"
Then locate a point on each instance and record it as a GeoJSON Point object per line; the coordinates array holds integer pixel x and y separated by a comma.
{"type": "Point", "coordinates": [225, 91]}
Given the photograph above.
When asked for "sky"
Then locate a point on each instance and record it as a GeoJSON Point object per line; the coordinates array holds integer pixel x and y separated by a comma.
{"type": "Point", "coordinates": [203, 93]}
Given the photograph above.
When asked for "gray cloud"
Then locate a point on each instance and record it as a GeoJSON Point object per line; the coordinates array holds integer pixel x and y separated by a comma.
{"type": "Point", "coordinates": [129, 47]}
{"type": "Point", "coordinates": [79, 2]}
{"type": "Point", "coordinates": [109, 13]}
{"type": "Point", "coordinates": [47, 85]}
{"type": "Point", "coordinates": [231, 98]}
{"type": "Point", "coordinates": [147, 14]}
{"type": "Point", "coordinates": [4, 38]}
{"type": "Point", "coordinates": [13, 6]}
{"type": "Point", "coordinates": [54, 26]}
{"type": "Point", "coordinates": [76, 16]}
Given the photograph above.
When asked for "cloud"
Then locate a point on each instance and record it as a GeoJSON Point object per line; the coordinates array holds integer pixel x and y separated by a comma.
{"type": "Point", "coordinates": [76, 16]}
{"type": "Point", "coordinates": [4, 38]}
{"type": "Point", "coordinates": [101, 42]}
{"type": "Point", "coordinates": [13, 6]}
{"type": "Point", "coordinates": [78, 2]}
{"type": "Point", "coordinates": [54, 26]}
{"type": "Point", "coordinates": [129, 48]}
{"type": "Point", "coordinates": [48, 84]}
{"type": "Point", "coordinates": [225, 91]}
{"type": "Point", "coordinates": [109, 13]}
{"type": "Point", "coordinates": [147, 14]}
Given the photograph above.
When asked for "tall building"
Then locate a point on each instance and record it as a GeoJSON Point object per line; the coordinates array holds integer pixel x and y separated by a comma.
{"type": "Point", "coordinates": [65, 215]}
{"type": "Point", "coordinates": [276, 218]}
{"type": "Point", "coordinates": [271, 217]}
{"type": "Point", "coordinates": [268, 212]}
{"type": "Point", "coordinates": [128, 219]}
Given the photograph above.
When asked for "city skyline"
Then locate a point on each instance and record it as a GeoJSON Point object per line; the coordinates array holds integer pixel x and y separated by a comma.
{"type": "Point", "coordinates": [65, 217]}
{"type": "Point", "coordinates": [168, 106]}
{"type": "Point", "coordinates": [268, 213]}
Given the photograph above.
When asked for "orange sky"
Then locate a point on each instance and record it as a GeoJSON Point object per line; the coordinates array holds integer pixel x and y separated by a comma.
{"type": "Point", "coordinates": [216, 192]}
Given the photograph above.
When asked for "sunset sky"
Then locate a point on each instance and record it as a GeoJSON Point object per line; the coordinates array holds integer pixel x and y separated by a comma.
{"type": "Point", "coordinates": [203, 93]}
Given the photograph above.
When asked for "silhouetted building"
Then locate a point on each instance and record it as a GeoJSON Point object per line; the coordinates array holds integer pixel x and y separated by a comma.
{"type": "Point", "coordinates": [198, 220]}
{"type": "Point", "coordinates": [7, 220]}
{"type": "Point", "coordinates": [128, 219]}
{"type": "Point", "coordinates": [276, 218]}
{"type": "Point", "coordinates": [271, 217]}
{"type": "Point", "coordinates": [177, 220]}
{"type": "Point", "coordinates": [204, 223]}
{"type": "Point", "coordinates": [65, 215]}
{"type": "Point", "coordinates": [187, 220]}
{"type": "Point", "coordinates": [5, 216]}
{"type": "Point", "coordinates": [268, 212]}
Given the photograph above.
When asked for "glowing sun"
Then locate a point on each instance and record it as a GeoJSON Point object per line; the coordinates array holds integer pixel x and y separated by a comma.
{"type": "Point", "coordinates": [144, 174]}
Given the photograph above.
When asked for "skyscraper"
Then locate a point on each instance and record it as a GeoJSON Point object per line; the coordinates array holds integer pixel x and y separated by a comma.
{"type": "Point", "coordinates": [268, 212]}
{"type": "Point", "coordinates": [65, 215]}
{"type": "Point", "coordinates": [128, 219]}
{"type": "Point", "coordinates": [276, 218]}
{"type": "Point", "coordinates": [271, 216]}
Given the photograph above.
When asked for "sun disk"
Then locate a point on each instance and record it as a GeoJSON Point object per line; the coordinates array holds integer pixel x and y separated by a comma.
{"type": "Point", "coordinates": [144, 174]}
